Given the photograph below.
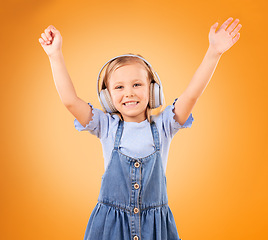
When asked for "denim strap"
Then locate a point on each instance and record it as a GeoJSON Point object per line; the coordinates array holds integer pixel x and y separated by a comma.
{"type": "Point", "coordinates": [155, 136]}
{"type": "Point", "coordinates": [118, 134]}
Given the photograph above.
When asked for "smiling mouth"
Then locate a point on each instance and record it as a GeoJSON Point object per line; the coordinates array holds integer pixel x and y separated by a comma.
{"type": "Point", "coordinates": [130, 103]}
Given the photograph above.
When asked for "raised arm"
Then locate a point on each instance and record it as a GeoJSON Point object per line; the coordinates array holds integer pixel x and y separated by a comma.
{"type": "Point", "coordinates": [219, 42]}
{"type": "Point", "coordinates": [51, 42]}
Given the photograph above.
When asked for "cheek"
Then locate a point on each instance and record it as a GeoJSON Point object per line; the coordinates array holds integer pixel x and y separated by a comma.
{"type": "Point", "coordinates": [115, 97]}
{"type": "Point", "coordinates": [146, 94]}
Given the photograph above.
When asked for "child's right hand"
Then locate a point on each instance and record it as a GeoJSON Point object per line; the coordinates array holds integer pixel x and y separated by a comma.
{"type": "Point", "coordinates": [51, 41]}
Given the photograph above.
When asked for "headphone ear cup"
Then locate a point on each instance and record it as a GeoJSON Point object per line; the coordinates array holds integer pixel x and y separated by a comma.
{"type": "Point", "coordinates": [106, 101]}
{"type": "Point", "coordinates": [155, 95]}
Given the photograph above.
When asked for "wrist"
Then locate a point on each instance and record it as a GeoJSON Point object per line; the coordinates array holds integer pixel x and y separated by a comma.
{"type": "Point", "coordinates": [55, 55]}
{"type": "Point", "coordinates": [213, 52]}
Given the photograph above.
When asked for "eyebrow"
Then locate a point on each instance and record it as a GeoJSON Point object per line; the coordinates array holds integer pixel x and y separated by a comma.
{"type": "Point", "coordinates": [134, 80]}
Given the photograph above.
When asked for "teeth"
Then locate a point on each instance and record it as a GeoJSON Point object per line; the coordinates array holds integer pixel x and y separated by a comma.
{"type": "Point", "coordinates": [130, 103]}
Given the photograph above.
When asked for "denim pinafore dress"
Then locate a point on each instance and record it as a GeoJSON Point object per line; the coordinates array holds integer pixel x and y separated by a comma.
{"type": "Point", "coordinates": [133, 202]}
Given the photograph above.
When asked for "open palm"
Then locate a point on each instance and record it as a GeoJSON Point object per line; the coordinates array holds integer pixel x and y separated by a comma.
{"type": "Point", "coordinates": [225, 37]}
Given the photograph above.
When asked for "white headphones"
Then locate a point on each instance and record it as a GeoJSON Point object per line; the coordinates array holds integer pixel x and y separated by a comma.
{"type": "Point", "coordinates": [156, 90]}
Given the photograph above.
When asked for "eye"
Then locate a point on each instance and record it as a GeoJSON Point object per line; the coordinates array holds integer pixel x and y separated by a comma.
{"type": "Point", "coordinates": [137, 84]}
{"type": "Point", "coordinates": [118, 87]}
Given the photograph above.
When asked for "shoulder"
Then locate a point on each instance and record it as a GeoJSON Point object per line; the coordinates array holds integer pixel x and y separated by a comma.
{"type": "Point", "coordinates": [101, 124]}
{"type": "Point", "coordinates": [166, 123]}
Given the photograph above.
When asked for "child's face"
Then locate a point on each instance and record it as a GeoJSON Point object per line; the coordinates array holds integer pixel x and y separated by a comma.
{"type": "Point", "coordinates": [129, 83]}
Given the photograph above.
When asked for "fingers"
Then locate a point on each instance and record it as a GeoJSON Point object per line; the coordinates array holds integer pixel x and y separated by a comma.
{"type": "Point", "coordinates": [232, 26]}
{"type": "Point", "coordinates": [234, 30]}
{"type": "Point", "coordinates": [54, 30]}
{"type": "Point", "coordinates": [213, 27]}
{"type": "Point", "coordinates": [235, 39]}
{"type": "Point", "coordinates": [43, 35]}
{"type": "Point", "coordinates": [51, 28]}
{"type": "Point", "coordinates": [47, 35]}
{"type": "Point", "coordinates": [226, 23]}
{"type": "Point", "coordinates": [41, 41]}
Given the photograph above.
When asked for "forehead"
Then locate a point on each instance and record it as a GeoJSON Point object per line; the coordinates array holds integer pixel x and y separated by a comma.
{"type": "Point", "coordinates": [128, 72]}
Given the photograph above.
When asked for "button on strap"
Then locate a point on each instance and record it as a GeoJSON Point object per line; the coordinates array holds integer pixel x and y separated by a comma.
{"type": "Point", "coordinates": [136, 210]}
{"type": "Point", "coordinates": [136, 164]}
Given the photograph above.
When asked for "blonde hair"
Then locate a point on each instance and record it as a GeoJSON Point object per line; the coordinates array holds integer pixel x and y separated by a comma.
{"type": "Point", "coordinates": [125, 60]}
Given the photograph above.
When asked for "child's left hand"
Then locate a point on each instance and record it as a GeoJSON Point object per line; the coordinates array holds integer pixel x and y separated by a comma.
{"type": "Point", "coordinates": [224, 38]}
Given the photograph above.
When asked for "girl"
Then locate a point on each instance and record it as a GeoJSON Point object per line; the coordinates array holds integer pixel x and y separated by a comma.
{"type": "Point", "coordinates": [133, 202]}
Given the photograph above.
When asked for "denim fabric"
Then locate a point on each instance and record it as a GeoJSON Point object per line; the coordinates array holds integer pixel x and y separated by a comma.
{"type": "Point", "coordinates": [133, 202]}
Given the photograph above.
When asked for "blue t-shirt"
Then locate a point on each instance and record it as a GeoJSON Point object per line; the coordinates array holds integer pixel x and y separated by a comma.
{"type": "Point", "coordinates": [137, 139]}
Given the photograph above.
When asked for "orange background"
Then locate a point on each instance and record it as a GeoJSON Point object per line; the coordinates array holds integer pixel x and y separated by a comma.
{"type": "Point", "coordinates": [217, 170]}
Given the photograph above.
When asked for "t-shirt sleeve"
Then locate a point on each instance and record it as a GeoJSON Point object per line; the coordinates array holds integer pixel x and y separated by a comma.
{"type": "Point", "coordinates": [168, 124]}
{"type": "Point", "coordinates": [100, 123]}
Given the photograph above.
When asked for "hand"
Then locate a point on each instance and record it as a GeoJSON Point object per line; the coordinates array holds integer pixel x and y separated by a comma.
{"type": "Point", "coordinates": [51, 41]}
{"type": "Point", "coordinates": [224, 38]}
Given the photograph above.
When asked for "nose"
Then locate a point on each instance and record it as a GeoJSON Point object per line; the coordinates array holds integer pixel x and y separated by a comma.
{"type": "Point", "coordinates": [130, 95]}
{"type": "Point", "coordinates": [129, 92]}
